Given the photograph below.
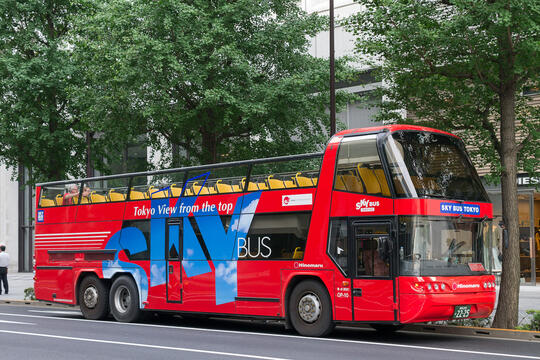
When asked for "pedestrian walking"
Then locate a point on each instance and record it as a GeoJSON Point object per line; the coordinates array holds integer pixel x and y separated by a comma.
{"type": "Point", "coordinates": [4, 262]}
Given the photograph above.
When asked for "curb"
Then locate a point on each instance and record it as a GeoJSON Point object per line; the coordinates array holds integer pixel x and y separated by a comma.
{"type": "Point", "coordinates": [34, 303]}
{"type": "Point", "coordinates": [475, 331]}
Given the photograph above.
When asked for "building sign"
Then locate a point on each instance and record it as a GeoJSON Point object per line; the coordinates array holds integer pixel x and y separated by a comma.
{"type": "Point", "coordinates": [526, 180]}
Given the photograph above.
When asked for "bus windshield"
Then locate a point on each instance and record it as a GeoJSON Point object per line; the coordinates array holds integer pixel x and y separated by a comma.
{"type": "Point", "coordinates": [434, 246]}
{"type": "Point", "coordinates": [425, 164]}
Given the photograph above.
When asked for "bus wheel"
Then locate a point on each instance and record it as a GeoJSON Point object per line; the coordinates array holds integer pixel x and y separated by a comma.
{"type": "Point", "coordinates": [386, 328]}
{"type": "Point", "coordinates": [124, 300]}
{"type": "Point", "coordinates": [93, 298]}
{"type": "Point", "coordinates": [310, 309]}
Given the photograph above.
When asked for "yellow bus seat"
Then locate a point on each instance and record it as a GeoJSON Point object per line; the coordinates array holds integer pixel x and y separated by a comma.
{"type": "Point", "coordinates": [85, 200]}
{"type": "Point", "coordinates": [315, 180]}
{"type": "Point", "coordinates": [262, 186]}
{"type": "Point", "coordinates": [302, 181]}
{"type": "Point", "coordinates": [236, 188]}
{"type": "Point", "coordinates": [212, 190]}
{"type": "Point", "coordinates": [275, 183]}
{"type": "Point", "coordinates": [369, 179]}
{"type": "Point", "coordinates": [251, 186]}
{"type": "Point", "coordinates": [97, 198]}
{"type": "Point", "coordinates": [188, 192]}
{"type": "Point", "coordinates": [198, 189]}
{"type": "Point", "coordinates": [340, 183]}
{"type": "Point", "coordinates": [289, 184]}
{"type": "Point", "coordinates": [379, 173]}
{"type": "Point", "coordinates": [46, 202]}
{"type": "Point", "coordinates": [224, 188]}
{"type": "Point", "coordinates": [116, 196]}
{"type": "Point", "coordinates": [298, 253]}
{"type": "Point", "coordinates": [155, 193]}
{"type": "Point", "coordinates": [175, 191]}
{"type": "Point", "coordinates": [136, 195]}
{"type": "Point", "coordinates": [59, 199]}
{"type": "Point", "coordinates": [352, 183]}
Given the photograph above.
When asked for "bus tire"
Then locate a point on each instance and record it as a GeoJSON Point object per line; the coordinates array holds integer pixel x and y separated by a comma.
{"type": "Point", "coordinates": [310, 309]}
{"type": "Point", "coordinates": [93, 298]}
{"type": "Point", "coordinates": [124, 300]}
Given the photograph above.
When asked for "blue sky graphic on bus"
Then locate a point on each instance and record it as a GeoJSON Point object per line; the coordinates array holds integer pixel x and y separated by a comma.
{"type": "Point", "coordinates": [222, 245]}
{"type": "Point", "coordinates": [133, 240]}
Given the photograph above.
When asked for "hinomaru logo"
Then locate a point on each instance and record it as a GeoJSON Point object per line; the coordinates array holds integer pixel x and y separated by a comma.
{"type": "Point", "coordinates": [365, 205]}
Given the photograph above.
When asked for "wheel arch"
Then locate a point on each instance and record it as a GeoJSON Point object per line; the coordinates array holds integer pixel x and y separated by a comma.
{"type": "Point", "coordinates": [295, 280]}
{"type": "Point", "coordinates": [84, 274]}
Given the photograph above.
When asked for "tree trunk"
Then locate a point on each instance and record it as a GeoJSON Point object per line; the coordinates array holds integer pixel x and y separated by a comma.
{"type": "Point", "coordinates": [209, 147]}
{"type": "Point", "coordinates": [506, 315]}
{"type": "Point", "coordinates": [89, 167]}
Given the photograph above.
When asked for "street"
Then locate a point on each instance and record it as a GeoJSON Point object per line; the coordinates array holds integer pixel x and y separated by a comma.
{"type": "Point", "coordinates": [40, 332]}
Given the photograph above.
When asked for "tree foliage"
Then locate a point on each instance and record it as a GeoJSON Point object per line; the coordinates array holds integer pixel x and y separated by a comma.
{"type": "Point", "coordinates": [463, 65]}
{"type": "Point", "coordinates": [36, 126]}
{"type": "Point", "coordinates": [213, 80]}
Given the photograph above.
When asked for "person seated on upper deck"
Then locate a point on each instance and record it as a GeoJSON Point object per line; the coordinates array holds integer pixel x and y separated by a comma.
{"type": "Point", "coordinates": [72, 191]}
{"type": "Point", "coordinates": [86, 194]}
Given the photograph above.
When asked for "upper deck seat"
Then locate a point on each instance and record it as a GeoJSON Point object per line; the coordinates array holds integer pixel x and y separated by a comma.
{"type": "Point", "coordinates": [223, 188]}
{"type": "Point", "coordinates": [59, 199]}
{"type": "Point", "coordinates": [302, 181]}
{"type": "Point", "coordinates": [155, 193]}
{"type": "Point", "coordinates": [46, 202]}
{"type": "Point", "coordinates": [274, 183]}
{"type": "Point", "coordinates": [369, 179]}
{"type": "Point", "coordinates": [137, 195]}
{"type": "Point", "coordinates": [97, 198]}
{"type": "Point", "coordinates": [116, 196]}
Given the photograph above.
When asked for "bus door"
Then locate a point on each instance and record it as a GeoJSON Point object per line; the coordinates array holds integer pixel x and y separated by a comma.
{"type": "Point", "coordinates": [173, 253]}
{"type": "Point", "coordinates": [371, 258]}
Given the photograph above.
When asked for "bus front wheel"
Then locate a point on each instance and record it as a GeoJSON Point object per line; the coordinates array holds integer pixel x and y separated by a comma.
{"type": "Point", "coordinates": [310, 309]}
{"type": "Point", "coordinates": [93, 298]}
{"type": "Point", "coordinates": [124, 300]}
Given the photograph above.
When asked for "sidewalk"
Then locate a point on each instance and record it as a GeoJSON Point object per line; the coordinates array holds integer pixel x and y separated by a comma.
{"type": "Point", "coordinates": [529, 296]}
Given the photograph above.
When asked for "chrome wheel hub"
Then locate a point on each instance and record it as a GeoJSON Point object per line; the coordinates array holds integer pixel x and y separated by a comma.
{"type": "Point", "coordinates": [90, 297]}
{"type": "Point", "coordinates": [309, 308]}
{"type": "Point", "coordinates": [122, 299]}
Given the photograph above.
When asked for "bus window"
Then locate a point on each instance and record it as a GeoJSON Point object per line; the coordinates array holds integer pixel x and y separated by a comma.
{"type": "Point", "coordinates": [94, 192]}
{"type": "Point", "coordinates": [372, 250]}
{"type": "Point", "coordinates": [54, 195]}
{"type": "Point", "coordinates": [359, 167]}
{"type": "Point", "coordinates": [138, 251]}
{"type": "Point", "coordinates": [275, 236]}
{"type": "Point", "coordinates": [337, 243]}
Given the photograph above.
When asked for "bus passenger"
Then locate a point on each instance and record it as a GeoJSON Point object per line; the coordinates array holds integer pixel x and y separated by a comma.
{"type": "Point", "coordinates": [73, 190]}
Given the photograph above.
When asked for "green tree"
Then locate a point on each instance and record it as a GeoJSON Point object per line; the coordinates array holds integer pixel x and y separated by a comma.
{"type": "Point", "coordinates": [36, 127]}
{"type": "Point", "coordinates": [463, 65]}
{"type": "Point", "coordinates": [214, 80]}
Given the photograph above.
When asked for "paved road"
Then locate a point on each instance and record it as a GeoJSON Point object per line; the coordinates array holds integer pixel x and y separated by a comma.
{"type": "Point", "coordinates": [54, 333]}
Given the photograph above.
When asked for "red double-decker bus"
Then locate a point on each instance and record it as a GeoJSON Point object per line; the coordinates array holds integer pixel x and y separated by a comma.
{"type": "Point", "coordinates": [388, 226]}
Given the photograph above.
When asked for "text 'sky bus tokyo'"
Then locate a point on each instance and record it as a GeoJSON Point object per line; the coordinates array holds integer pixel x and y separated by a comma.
{"type": "Point", "coordinates": [387, 226]}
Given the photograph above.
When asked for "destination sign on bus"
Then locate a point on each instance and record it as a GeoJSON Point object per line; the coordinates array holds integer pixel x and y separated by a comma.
{"type": "Point", "coordinates": [465, 209]}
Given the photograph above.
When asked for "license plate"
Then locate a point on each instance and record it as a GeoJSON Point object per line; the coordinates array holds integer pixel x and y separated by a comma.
{"type": "Point", "coordinates": [462, 311]}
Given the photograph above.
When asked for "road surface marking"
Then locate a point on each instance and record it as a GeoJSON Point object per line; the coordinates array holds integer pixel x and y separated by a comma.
{"type": "Point", "coordinates": [143, 345]}
{"type": "Point", "coordinates": [15, 322]}
{"type": "Point", "coordinates": [289, 336]}
{"type": "Point", "coordinates": [58, 312]}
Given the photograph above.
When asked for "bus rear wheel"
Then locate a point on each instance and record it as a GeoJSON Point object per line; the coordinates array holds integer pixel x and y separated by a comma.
{"type": "Point", "coordinates": [310, 309]}
{"type": "Point", "coordinates": [124, 300]}
{"type": "Point", "coordinates": [93, 298]}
